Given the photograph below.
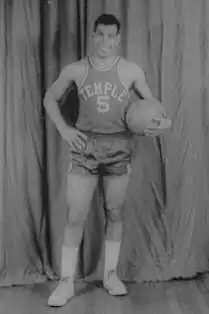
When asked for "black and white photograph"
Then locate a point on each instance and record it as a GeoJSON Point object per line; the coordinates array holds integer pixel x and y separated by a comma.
{"type": "Point", "coordinates": [104, 156]}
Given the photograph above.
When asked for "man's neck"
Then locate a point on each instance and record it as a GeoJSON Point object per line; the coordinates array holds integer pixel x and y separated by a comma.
{"type": "Point", "coordinates": [102, 63]}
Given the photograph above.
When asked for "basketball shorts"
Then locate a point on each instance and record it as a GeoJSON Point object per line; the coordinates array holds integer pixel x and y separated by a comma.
{"type": "Point", "coordinates": [104, 155]}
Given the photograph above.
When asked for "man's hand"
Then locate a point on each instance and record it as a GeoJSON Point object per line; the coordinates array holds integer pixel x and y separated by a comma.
{"type": "Point", "coordinates": [157, 126]}
{"type": "Point", "coordinates": [153, 133]}
{"type": "Point", "coordinates": [76, 139]}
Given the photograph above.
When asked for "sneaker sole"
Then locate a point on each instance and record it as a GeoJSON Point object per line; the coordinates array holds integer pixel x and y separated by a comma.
{"type": "Point", "coordinates": [54, 304]}
{"type": "Point", "coordinates": [111, 292]}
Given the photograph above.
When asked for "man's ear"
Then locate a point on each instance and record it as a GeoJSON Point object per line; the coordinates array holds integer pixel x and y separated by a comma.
{"type": "Point", "coordinates": [118, 39]}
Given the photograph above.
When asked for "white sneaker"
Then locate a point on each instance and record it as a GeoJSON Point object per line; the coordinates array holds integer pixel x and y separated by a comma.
{"type": "Point", "coordinates": [63, 292]}
{"type": "Point", "coordinates": [113, 284]}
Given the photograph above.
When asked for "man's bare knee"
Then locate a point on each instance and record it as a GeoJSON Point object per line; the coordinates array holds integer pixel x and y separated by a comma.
{"type": "Point", "coordinates": [114, 213]}
{"type": "Point", "coordinates": [77, 215]}
{"type": "Point", "coordinates": [115, 191]}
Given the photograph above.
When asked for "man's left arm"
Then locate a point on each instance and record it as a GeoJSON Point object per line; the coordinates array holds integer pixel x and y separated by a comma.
{"type": "Point", "coordinates": [141, 87]}
{"type": "Point", "coordinates": [140, 84]}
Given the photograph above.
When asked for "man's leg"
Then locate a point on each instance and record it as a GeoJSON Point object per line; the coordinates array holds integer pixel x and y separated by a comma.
{"type": "Point", "coordinates": [80, 190]}
{"type": "Point", "coordinates": [115, 194]}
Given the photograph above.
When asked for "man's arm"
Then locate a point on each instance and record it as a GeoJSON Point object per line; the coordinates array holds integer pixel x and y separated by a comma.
{"type": "Point", "coordinates": [54, 94]}
{"type": "Point", "coordinates": [140, 85]}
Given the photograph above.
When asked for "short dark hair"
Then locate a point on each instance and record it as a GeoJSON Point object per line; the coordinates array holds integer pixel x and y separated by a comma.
{"type": "Point", "coordinates": [107, 19]}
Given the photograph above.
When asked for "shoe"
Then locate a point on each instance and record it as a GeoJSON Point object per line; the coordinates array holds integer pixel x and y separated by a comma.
{"type": "Point", "coordinates": [63, 292]}
{"type": "Point", "coordinates": [114, 285]}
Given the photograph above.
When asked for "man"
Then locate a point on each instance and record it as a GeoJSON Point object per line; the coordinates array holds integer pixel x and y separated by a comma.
{"type": "Point", "coordinates": [99, 143]}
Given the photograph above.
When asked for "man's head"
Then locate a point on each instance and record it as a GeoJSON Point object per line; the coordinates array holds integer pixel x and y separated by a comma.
{"type": "Point", "coordinates": [106, 35]}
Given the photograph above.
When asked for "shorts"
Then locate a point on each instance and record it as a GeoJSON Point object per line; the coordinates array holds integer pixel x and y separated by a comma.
{"type": "Point", "coordinates": [105, 154]}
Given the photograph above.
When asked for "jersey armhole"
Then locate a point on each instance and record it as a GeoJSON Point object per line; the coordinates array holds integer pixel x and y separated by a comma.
{"type": "Point", "coordinates": [121, 81]}
{"type": "Point", "coordinates": [81, 83]}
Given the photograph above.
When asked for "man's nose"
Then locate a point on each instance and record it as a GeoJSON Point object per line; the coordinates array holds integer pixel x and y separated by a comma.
{"type": "Point", "coordinates": [105, 41]}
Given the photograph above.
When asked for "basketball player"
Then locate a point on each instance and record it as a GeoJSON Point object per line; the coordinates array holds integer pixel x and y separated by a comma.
{"type": "Point", "coordinates": [99, 143]}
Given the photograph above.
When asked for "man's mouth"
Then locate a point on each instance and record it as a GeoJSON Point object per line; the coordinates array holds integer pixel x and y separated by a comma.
{"type": "Point", "coordinates": [104, 50]}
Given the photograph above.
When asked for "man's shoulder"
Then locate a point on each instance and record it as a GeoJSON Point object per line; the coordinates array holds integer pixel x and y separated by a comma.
{"type": "Point", "coordinates": [76, 65]}
{"type": "Point", "coordinates": [76, 68]}
{"type": "Point", "coordinates": [130, 70]}
{"type": "Point", "coordinates": [127, 64]}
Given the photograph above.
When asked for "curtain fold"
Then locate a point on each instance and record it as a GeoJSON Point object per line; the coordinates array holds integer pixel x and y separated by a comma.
{"type": "Point", "coordinates": [22, 216]}
{"type": "Point", "coordinates": [2, 137]}
{"type": "Point", "coordinates": [166, 219]}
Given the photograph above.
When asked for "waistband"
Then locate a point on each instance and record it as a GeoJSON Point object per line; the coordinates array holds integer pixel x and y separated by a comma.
{"type": "Point", "coordinates": [119, 135]}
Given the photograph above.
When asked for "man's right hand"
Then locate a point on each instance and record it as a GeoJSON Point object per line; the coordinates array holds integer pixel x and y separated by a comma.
{"type": "Point", "coordinates": [76, 139]}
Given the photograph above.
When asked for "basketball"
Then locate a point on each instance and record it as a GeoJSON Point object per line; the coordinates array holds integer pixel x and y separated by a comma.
{"type": "Point", "coordinates": [143, 115]}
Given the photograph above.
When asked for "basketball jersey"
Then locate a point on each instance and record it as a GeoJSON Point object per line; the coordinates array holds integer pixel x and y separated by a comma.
{"type": "Point", "coordinates": [103, 99]}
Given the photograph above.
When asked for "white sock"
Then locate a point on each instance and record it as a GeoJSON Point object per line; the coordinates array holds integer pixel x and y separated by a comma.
{"type": "Point", "coordinates": [69, 261]}
{"type": "Point", "coordinates": [112, 250]}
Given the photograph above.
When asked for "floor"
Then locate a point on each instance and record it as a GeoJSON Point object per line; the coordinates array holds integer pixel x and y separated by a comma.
{"type": "Point", "coordinates": [176, 297]}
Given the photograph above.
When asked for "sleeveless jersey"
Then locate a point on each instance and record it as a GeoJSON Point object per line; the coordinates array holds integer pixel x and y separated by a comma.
{"type": "Point", "coordinates": [103, 100]}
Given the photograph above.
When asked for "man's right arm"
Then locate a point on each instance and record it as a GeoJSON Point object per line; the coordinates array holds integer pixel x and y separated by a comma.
{"type": "Point", "coordinates": [54, 94]}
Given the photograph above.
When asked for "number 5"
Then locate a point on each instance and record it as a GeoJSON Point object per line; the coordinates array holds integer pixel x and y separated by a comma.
{"type": "Point", "coordinates": [102, 103]}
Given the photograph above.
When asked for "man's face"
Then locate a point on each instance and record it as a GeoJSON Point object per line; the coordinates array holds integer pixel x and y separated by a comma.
{"type": "Point", "coordinates": [106, 40]}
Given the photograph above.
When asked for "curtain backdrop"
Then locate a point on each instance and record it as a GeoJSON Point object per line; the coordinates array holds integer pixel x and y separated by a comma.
{"type": "Point", "coordinates": [166, 220]}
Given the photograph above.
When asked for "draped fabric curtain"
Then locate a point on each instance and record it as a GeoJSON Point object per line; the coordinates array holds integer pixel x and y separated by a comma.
{"type": "Point", "coordinates": [166, 221]}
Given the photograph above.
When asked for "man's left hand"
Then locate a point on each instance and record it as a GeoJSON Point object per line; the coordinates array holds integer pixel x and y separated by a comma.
{"type": "Point", "coordinates": [157, 127]}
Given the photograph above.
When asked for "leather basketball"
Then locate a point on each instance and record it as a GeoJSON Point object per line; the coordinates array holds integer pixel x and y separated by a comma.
{"type": "Point", "coordinates": [142, 114]}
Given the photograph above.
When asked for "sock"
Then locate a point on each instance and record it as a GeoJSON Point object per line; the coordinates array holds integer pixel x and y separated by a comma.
{"type": "Point", "coordinates": [69, 262]}
{"type": "Point", "coordinates": [112, 250]}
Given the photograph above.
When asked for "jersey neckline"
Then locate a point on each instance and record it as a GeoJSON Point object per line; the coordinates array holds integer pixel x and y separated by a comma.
{"type": "Point", "coordinates": [117, 59]}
